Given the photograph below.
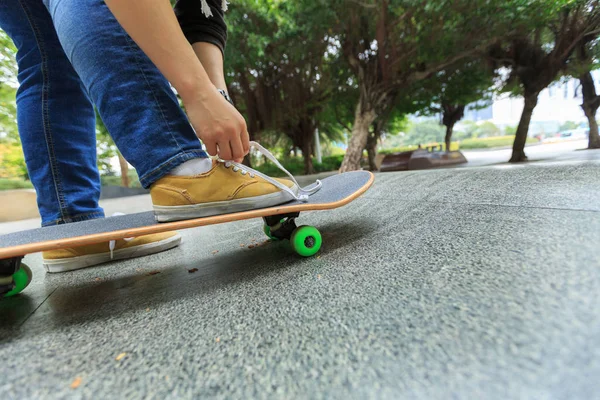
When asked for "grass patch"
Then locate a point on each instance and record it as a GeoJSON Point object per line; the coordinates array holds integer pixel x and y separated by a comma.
{"type": "Point", "coordinates": [466, 144]}
{"type": "Point", "coordinates": [491, 142]}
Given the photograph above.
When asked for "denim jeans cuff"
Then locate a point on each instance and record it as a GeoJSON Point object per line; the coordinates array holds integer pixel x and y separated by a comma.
{"type": "Point", "coordinates": [75, 218]}
{"type": "Point", "coordinates": [163, 169]}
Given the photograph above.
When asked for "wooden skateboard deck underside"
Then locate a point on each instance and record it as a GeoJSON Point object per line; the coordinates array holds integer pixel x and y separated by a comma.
{"type": "Point", "coordinates": [337, 191]}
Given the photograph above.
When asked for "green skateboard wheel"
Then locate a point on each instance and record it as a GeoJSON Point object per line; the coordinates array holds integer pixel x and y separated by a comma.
{"type": "Point", "coordinates": [306, 240]}
{"type": "Point", "coordinates": [21, 278]}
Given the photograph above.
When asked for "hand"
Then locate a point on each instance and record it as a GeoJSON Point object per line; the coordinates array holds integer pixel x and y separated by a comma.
{"type": "Point", "coordinates": [218, 124]}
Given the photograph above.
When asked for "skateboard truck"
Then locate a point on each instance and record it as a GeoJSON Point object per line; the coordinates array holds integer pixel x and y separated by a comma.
{"type": "Point", "coordinates": [306, 240]}
{"type": "Point", "coordinates": [281, 226]}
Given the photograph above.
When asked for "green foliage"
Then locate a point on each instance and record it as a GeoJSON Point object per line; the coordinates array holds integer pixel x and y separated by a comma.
{"type": "Point", "coordinates": [12, 161]}
{"type": "Point", "coordinates": [463, 83]}
{"type": "Point", "coordinates": [280, 73]}
{"type": "Point", "coordinates": [471, 129]}
{"type": "Point", "coordinates": [106, 148]}
{"type": "Point", "coordinates": [8, 85]}
{"type": "Point", "coordinates": [294, 66]}
{"type": "Point", "coordinates": [490, 142]}
{"type": "Point", "coordinates": [423, 132]}
{"type": "Point", "coordinates": [488, 129]}
{"type": "Point", "coordinates": [113, 180]}
{"type": "Point", "coordinates": [510, 130]}
{"type": "Point", "coordinates": [568, 126]}
{"type": "Point", "coordinates": [11, 184]}
{"type": "Point", "coordinates": [295, 166]}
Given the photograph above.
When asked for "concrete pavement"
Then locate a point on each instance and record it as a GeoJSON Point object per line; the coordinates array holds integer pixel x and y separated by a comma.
{"type": "Point", "coordinates": [558, 151]}
{"type": "Point", "coordinates": [454, 283]}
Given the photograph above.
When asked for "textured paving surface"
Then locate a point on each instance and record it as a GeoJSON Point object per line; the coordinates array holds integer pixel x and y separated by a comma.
{"type": "Point", "coordinates": [467, 283]}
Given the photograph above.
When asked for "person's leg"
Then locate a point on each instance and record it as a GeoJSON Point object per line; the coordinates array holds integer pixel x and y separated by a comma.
{"type": "Point", "coordinates": [134, 100]}
{"type": "Point", "coordinates": [144, 117]}
{"type": "Point", "coordinates": [56, 119]}
{"type": "Point", "coordinates": [57, 127]}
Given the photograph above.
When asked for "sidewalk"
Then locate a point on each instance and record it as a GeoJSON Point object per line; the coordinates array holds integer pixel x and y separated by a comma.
{"type": "Point", "coordinates": [454, 283]}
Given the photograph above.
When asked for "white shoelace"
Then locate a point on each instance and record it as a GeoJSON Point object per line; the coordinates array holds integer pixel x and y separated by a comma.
{"type": "Point", "coordinates": [303, 193]}
{"type": "Point", "coordinates": [113, 243]}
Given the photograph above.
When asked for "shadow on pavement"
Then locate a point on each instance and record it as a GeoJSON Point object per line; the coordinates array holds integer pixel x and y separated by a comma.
{"type": "Point", "coordinates": [146, 290]}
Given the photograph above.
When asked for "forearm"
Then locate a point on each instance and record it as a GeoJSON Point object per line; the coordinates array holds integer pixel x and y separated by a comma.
{"type": "Point", "coordinates": [212, 60]}
{"type": "Point", "coordinates": [206, 33]}
{"type": "Point", "coordinates": [153, 26]}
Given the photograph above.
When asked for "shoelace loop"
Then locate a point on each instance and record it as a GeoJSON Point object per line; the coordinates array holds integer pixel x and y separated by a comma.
{"type": "Point", "coordinates": [236, 168]}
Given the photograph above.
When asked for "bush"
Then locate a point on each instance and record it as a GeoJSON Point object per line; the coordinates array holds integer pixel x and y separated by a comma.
{"type": "Point", "coordinates": [12, 162]}
{"type": "Point", "coordinates": [296, 166]}
{"type": "Point", "coordinates": [10, 184]}
{"type": "Point", "coordinates": [113, 180]}
{"type": "Point", "coordinates": [491, 142]}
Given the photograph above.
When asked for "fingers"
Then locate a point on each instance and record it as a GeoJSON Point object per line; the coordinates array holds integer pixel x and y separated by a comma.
{"type": "Point", "coordinates": [245, 138]}
{"type": "Point", "coordinates": [237, 149]}
{"type": "Point", "coordinates": [211, 147]}
{"type": "Point", "coordinates": [225, 151]}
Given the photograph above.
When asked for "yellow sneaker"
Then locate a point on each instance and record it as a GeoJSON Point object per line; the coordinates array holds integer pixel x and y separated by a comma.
{"type": "Point", "coordinates": [94, 254]}
{"type": "Point", "coordinates": [226, 188]}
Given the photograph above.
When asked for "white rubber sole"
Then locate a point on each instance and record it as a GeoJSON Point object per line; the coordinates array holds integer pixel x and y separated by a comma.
{"type": "Point", "coordinates": [177, 213]}
{"type": "Point", "coordinates": [74, 263]}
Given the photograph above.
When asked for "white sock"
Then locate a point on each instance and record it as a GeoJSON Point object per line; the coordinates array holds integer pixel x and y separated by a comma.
{"type": "Point", "coordinates": [195, 166]}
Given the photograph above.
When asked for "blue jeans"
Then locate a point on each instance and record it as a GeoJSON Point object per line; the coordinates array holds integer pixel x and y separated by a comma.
{"type": "Point", "coordinates": [72, 55]}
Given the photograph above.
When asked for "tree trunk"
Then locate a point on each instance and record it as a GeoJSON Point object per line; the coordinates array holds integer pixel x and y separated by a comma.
{"type": "Point", "coordinates": [590, 105]}
{"type": "Point", "coordinates": [452, 113]}
{"type": "Point", "coordinates": [124, 170]}
{"type": "Point", "coordinates": [372, 151]}
{"type": "Point", "coordinates": [308, 162]}
{"type": "Point", "coordinates": [363, 118]}
{"type": "Point", "coordinates": [448, 138]}
{"type": "Point", "coordinates": [518, 154]}
{"type": "Point", "coordinates": [594, 137]}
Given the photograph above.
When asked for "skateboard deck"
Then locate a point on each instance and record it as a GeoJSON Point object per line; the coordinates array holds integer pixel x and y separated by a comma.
{"type": "Point", "coordinates": [337, 191]}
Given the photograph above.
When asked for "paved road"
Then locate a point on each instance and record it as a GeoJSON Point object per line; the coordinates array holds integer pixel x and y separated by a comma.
{"type": "Point", "coordinates": [454, 283]}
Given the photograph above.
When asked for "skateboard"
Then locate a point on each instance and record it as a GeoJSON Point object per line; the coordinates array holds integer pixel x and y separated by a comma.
{"type": "Point", "coordinates": [279, 224]}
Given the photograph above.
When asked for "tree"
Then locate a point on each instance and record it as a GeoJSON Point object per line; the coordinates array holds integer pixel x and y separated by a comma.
{"type": "Point", "coordinates": [280, 76]}
{"type": "Point", "coordinates": [452, 89]}
{"type": "Point", "coordinates": [539, 53]}
{"type": "Point", "coordinates": [8, 85]}
{"type": "Point", "coordinates": [107, 150]}
{"type": "Point", "coordinates": [377, 130]}
{"type": "Point", "coordinates": [591, 101]}
{"type": "Point", "coordinates": [12, 160]}
{"type": "Point", "coordinates": [389, 45]}
{"type": "Point", "coordinates": [390, 122]}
